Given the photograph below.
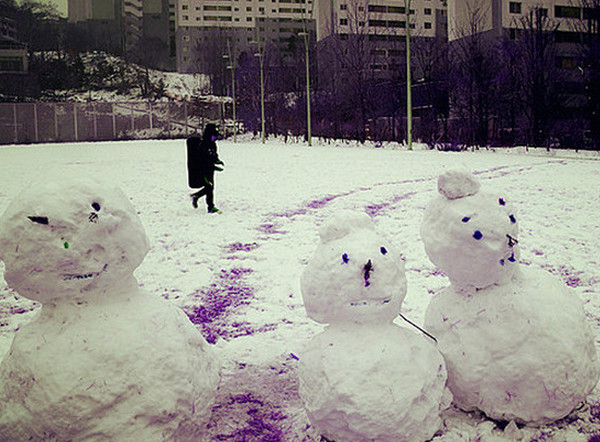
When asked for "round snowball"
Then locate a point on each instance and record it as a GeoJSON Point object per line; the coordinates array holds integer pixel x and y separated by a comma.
{"type": "Point", "coordinates": [472, 239]}
{"type": "Point", "coordinates": [457, 184]}
{"type": "Point", "coordinates": [61, 240]}
{"type": "Point", "coordinates": [355, 275]}
{"type": "Point", "coordinates": [380, 382]}
{"type": "Point", "coordinates": [521, 351]}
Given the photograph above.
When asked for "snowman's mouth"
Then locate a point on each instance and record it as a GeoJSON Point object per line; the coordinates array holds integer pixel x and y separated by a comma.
{"type": "Point", "coordinates": [80, 276]}
{"type": "Point", "coordinates": [370, 302]}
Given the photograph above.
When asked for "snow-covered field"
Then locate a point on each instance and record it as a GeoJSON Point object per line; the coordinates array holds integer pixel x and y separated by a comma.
{"type": "Point", "coordinates": [237, 274]}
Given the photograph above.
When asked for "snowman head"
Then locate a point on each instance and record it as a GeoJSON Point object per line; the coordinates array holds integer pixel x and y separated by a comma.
{"type": "Point", "coordinates": [470, 235]}
{"type": "Point", "coordinates": [65, 241]}
{"type": "Point", "coordinates": [355, 275]}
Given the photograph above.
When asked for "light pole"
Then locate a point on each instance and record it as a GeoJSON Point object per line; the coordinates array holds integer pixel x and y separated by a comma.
{"type": "Point", "coordinates": [306, 42]}
{"type": "Point", "coordinates": [408, 80]}
{"type": "Point", "coordinates": [231, 58]}
{"type": "Point", "coordinates": [261, 61]}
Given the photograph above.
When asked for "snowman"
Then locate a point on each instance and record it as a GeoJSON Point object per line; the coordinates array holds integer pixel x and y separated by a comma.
{"type": "Point", "coordinates": [103, 360]}
{"type": "Point", "coordinates": [365, 378]}
{"type": "Point", "coordinates": [515, 340]}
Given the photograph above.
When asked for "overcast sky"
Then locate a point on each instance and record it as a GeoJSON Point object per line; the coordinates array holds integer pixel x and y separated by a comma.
{"type": "Point", "coordinates": [61, 5]}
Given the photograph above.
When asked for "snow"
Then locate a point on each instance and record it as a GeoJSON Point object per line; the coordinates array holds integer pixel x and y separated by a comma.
{"type": "Point", "coordinates": [91, 365]}
{"type": "Point", "coordinates": [237, 274]}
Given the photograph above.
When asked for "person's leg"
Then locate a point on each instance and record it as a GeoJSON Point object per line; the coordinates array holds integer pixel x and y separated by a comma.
{"type": "Point", "coordinates": [197, 195]}
{"type": "Point", "coordinates": [210, 199]}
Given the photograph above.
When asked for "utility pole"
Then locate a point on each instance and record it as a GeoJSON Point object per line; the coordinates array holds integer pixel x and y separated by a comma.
{"type": "Point", "coordinates": [408, 80]}
{"type": "Point", "coordinates": [232, 65]}
{"type": "Point", "coordinates": [305, 34]}
{"type": "Point", "coordinates": [261, 60]}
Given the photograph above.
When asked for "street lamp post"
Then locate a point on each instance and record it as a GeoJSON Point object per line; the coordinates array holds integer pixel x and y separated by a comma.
{"type": "Point", "coordinates": [306, 42]}
{"type": "Point", "coordinates": [261, 60]}
{"type": "Point", "coordinates": [408, 80]}
{"type": "Point", "coordinates": [231, 58]}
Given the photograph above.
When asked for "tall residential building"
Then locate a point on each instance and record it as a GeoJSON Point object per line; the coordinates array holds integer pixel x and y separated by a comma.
{"type": "Point", "coordinates": [505, 17]}
{"type": "Point", "coordinates": [102, 20]}
{"type": "Point", "coordinates": [381, 17]}
{"type": "Point", "coordinates": [378, 28]}
{"type": "Point", "coordinates": [202, 22]}
{"type": "Point", "coordinates": [133, 12]}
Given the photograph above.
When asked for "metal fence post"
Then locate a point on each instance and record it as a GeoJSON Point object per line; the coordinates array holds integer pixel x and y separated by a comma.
{"type": "Point", "coordinates": [16, 128]}
{"type": "Point", "coordinates": [35, 123]}
{"type": "Point", "coordinates": [150, 114]}
{"type": "Point", "coordinates": [132, 118]}
{"type": "Point", "coordinates": [75, 121]}
{"type": "Point", "coordinates": [114, 122]}
{"type": "Point", "coordinates": [185, 113]}
{"type": "Point", "coordinates": [95, 122]}
{"type": "Point", "coordinates": [55, 122]}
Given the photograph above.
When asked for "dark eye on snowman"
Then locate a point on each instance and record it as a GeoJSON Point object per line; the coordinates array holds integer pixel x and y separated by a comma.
{"type": "Point", "coordinates": [345, 258]}
{"type": "Point", "coordinates": [96, 206]}
{"type": "Point", "coordinates": [502, 202]}
{"type": "Point", "coordinates": [39, 219]}
{"type": "Point", "coordinates": [466, 219]}
{"type": "Point", "coordinates": [383, 250]}
{"type": "Point", "coordinates": [477, 235]}
{"type": "Point", "coordinates": [512, 219]}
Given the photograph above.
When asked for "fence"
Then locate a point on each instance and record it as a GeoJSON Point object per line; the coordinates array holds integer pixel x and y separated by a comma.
{"type": "Point", "coordinates": [98, 121]}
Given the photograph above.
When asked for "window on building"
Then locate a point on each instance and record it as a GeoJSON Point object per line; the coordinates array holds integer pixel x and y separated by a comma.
{"type": "Point", "coordinates": [380, 52]}
{"type": "Point", "coordinates": [514, 7]}
{"type": "Point", "coordinates": [396, 9]}
{"type": "Point", "coordinates": [248, 18]}
{"type": "Point", "coordinates": [185, 17]}
{"type": "Point", "coordinates": [377, 8]}
{"type": "Point", "coordinates": [343, 7]}
{"type": "Point", "coordinates": [184, 7]}
{"type": "Point", "coordinates": [567, 12]}
{"type": "Point", "coordinates": [427, 11]}
{"type": "Point", "coordinates": [542, 12]}
{"type": "Point", "coordinates": [396, 23]}
{"type": "Point", "coordinates": [249, 8]}
{"type": "Point", "coordinates": [343, 22]}
{"type": "Point", "coordinates": [261, 10]}
{"type": "Point", "coordinates": [427, 25]}
{"type": "Point", "coordinates": [375, 23]}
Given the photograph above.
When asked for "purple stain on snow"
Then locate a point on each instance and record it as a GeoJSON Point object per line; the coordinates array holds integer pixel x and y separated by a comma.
{"type": "Point", "coordinates": [218, 301]}
{"type": "Point", "coordinates": [375, 209]}
{"type": "Point", "coordinates": [261, 423]}
{"type": "Point", "coordinates": [241, 247]}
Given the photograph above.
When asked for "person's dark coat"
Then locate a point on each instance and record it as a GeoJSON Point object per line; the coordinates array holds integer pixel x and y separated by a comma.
{"type": "Point", "coordinates": [202, 157]}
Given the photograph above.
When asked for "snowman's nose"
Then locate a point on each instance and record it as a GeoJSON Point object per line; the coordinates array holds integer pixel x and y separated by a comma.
{"type": "Point", "coordinates": [367, 269]}
{"type": "Point", "coordinates": [511, 241]}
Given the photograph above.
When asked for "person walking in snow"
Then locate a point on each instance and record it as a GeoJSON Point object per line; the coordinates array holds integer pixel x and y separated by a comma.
{"type": "Point", "coordinates": [202, 161]}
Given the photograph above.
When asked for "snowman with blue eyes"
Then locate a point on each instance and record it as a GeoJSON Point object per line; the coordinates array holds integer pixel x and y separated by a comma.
{"type": "Point", "coordinates": [103, 360]}
{"type": "Point", "coordinates": [515, 340]}
{"type": "Point", "coordinates": [364, 378]}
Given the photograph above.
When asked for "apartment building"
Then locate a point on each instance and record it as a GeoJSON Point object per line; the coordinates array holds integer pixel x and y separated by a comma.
{"type": "Point", "coordinates": [505, 17]}
{"type": "Point", "coordinates": [102, 19]}
{"type": "Point", "coordinates": [381, 23]}
{"type": "Point", "coordinates": [201, 22]}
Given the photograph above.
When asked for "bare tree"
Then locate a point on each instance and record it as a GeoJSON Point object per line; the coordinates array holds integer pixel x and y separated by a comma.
{"type": "Point", "coordinates": [473, 71]}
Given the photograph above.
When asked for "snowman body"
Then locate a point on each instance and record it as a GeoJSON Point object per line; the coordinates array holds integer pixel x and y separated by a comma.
{"type": "Point", "coordinates": [103, 360]}
{"type": "Point", "coordinates": [516, 342]}
{"type": "Point", "coordinates": [365, 378]}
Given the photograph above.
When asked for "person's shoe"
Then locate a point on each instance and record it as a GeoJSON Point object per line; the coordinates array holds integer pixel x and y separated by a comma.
{"type": "Point", "coordinates": [213, 210]}
{"type": "Point", "coordinates": [195, 201]}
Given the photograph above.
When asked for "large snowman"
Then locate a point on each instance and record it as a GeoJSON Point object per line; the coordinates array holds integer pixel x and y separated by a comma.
{"type": "Point", "coordinates": [365, 378]}
{"type": "Point", "coordinates": [103, 360]}
{"type": "Point", "coordinates": [515, 340]}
